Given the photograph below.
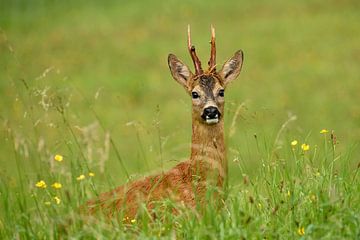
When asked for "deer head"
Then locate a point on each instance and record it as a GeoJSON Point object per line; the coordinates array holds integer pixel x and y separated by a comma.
{"type": "Point", "coordinates": [206, 87]}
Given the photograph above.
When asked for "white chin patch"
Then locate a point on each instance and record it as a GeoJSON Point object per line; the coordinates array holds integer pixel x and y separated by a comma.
{"type": "Point", "coordinates": [212, 120]}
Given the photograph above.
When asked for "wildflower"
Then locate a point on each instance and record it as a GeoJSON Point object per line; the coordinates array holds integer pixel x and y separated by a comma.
{"type": "Point", "coordinates": [41, 184]}
{"type": "Point", "coordinates": [312, 198]}
{"type": "Point", "coordinates": [317, 174]}
{"type": "Point", "coordinates": [301, 231]}
{"type": "Point", "coordinates": [294, 143]}
{"type": "Point", "coordinates": [305, 147]}
{"type": "Point", "coordinates": [288, 193]}
{"type": "Point", "coordinates": [91, 174]}
{"type": "Point", "coordinates": [81, 177]}
{"type": "Point", "coordinates": [259, 205]}
{"type": "Point", "coordinates": [56, 185]}
{"type": "Point", "coordinates": [57, 200]}
{"type": "Point", "coordinates": [324, 131]}
{"type": "Point", "coordinates": [58, 157]}
{"type": "Point", "coordinates": [133, 221]}
{"type": "Point", "coordinates": [47, 203]}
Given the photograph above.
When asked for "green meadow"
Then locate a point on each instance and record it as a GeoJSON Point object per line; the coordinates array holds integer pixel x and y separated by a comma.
{"type": "Point", "coordinates": [87, 83]}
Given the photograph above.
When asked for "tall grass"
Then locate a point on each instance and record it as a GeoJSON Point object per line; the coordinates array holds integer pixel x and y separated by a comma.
{"type": "Point", "coordinates": [295, 192]}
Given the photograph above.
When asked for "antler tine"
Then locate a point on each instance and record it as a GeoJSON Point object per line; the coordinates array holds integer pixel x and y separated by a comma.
{"type": "Point", "coordinates": [196, 61]}
{"type": "Point", "coordinates": [212, 61]}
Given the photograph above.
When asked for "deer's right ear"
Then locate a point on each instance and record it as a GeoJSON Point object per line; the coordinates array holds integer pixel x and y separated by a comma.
{"type": "Point", "coordinates": [179, 71]}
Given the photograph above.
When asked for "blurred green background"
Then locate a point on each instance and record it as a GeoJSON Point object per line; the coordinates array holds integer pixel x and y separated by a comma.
{"type": "Point", "coordinates": [109, 59]}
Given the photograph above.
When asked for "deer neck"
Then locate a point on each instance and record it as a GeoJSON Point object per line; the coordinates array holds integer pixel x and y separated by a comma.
{"type": "Point", "coordinates": [208, 148]}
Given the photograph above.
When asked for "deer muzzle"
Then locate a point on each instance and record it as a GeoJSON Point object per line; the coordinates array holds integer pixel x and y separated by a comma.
{"type": "Point", "coordinates": [211, 115]}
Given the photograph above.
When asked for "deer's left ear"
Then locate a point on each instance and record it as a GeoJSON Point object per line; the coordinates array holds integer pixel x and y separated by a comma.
{"type": "Point", "coordinates": [232, 67]}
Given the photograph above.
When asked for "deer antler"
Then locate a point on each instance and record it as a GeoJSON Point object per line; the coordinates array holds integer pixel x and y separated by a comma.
{"type": "Point", "coordinates": [212, 61]}
{"type": "Point", "coordinates": [197, 63]}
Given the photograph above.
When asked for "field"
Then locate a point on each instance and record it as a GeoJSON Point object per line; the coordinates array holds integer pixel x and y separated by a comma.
{"type": "Point", "coordinates": [88, 81]}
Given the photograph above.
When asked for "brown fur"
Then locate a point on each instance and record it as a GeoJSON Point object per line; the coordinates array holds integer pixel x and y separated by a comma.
{"type": "Point", "coordinates": [187, 182]}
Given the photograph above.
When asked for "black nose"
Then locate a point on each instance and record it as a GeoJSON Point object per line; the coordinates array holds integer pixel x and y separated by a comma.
{"type": "Point", "coordinates": [211, 113]}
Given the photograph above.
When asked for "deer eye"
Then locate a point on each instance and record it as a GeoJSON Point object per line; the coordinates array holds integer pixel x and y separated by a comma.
{"type": "Point", "coordinates": [194, 95]}
{"type": "Point", "coordinates": [221, 93]}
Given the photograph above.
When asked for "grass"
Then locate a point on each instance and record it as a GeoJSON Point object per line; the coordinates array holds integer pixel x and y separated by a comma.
{"type": "Point", "coordinates": [89, 81]}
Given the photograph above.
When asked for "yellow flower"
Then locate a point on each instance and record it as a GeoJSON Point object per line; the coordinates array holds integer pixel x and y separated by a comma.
{"type": "Point", "coordinates": [301, 231]}
{"type": "Point", "coordinates": [57, 200]}
{"type": "Point", "coordinates": [41, 184]}
{"type": "Point", "coordinates": [305, 147]}
{"type": "Point", "coordinates": [81, 177]}
{"type": "Point", "coordinates": [294, 143]}
{"type": "Point", "coordinates": [91, 174]}
{"type": "Point", "coordinates": [58, 158]}
{"type": "Point", "coordinates": [324, 131]}
{"type": "Point", "coordinates": [133, 221]}
{"type": "Point", "coordinates": [56, 185]}
{"type": "Point", "coordinates": [259, 205]}
{"type": "Point", "coordinates": [288, 193]}
{"type": "Point", "coordinates": [312, 197]}
{"type": "Point", "coordinates": [47, 203]}
{"type": "Point", "coordinates": [317, 174]}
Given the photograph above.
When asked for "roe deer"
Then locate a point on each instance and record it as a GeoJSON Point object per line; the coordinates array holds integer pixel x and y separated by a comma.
{"type": "Point", "coordinates": [186, 182]}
